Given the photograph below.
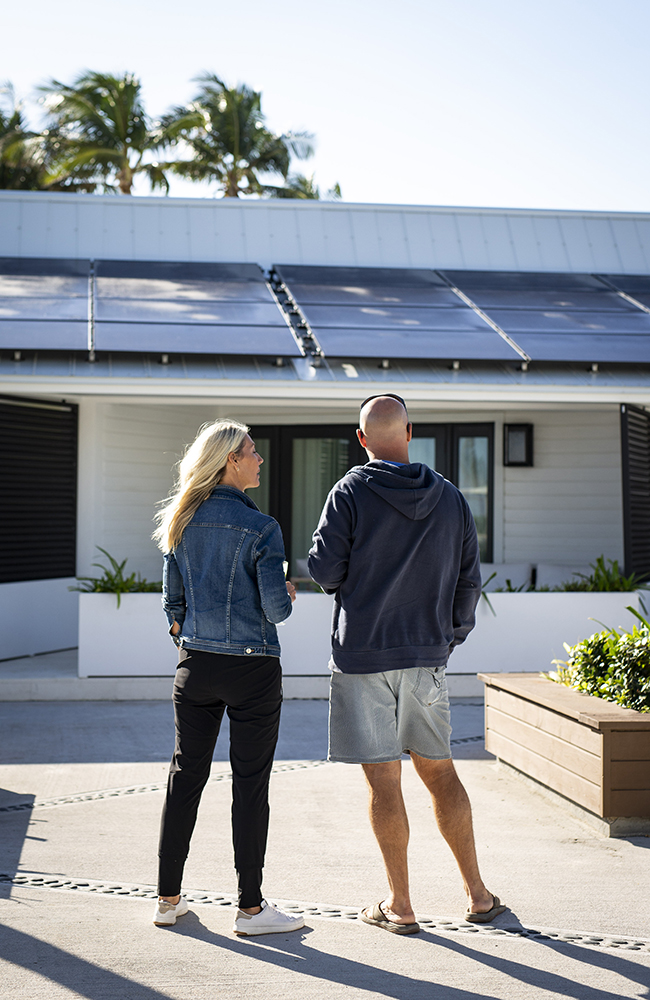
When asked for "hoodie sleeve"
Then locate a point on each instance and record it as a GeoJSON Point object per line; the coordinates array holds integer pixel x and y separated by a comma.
{"type": "Point", "coordinates": [331, 542]}
{"type": "Point", "coordinates": [468, 587]}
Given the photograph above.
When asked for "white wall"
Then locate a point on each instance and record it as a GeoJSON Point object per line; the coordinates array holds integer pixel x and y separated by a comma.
{"type": "Point", "coordinates": [566, 509]}
{"type": "Point", "coordinates": [126, 456]}
{"type": "Point", "coordinates": [39, 616]}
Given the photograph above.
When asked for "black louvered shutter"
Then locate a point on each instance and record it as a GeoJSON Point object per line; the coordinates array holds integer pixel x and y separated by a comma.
{"type": "Point", "coordinates": [38, 489]}
{"type": "Point", "coordinates": [635, 451]}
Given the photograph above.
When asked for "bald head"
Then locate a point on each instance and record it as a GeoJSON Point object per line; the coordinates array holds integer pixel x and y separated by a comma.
{"type": "Point", "coordinates": [385, 430]}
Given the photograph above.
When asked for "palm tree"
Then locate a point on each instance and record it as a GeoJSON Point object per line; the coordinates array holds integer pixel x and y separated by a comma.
{"type": "Point", "coordinates": [21, 158]}
{"type": "Point", "coordinates": [299, 186]}
{"type": "Point", "coordinates": [100, 134]}
{"type": "Point", "coordinates": [225, 131]}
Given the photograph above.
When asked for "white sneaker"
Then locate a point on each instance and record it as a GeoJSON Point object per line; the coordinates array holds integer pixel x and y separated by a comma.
{"type": "Point", "coordinates": [270, 920]}
{"type": "Point", "coordinates": [166, 913]}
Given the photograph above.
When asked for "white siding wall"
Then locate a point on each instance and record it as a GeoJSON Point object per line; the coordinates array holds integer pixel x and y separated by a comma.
{"type": "Point", "coordinates": [125, 468]}
{"type": "Point", "coordinates": [568, 507]}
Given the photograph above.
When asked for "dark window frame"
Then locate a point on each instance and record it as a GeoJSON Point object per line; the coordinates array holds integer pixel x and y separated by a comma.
{"type": "Point", "coordinates": [281, 438]}
{"type": "Point", "coordinates": [448, 434]}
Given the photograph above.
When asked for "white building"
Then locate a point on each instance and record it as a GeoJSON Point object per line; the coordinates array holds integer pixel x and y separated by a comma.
{"type": "Point", "coordinates": [125, 323]}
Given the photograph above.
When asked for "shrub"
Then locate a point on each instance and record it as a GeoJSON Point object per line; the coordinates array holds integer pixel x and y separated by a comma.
{"type": "Point", "coordinates": [613, 665]}
{"type": "Point", "coordinates": [113, 580]}
{"type": "Point", "coordinates": [603, 578]}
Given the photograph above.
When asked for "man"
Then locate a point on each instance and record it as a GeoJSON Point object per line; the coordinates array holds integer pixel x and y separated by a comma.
{"type": "Point", "coordinates": [397, 546]}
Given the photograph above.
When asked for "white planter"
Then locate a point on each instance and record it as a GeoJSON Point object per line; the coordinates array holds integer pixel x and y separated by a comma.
{"type": "Point", "coordinates": [129, 641]}
{"type": "Point", "coordinates": [529, 630]}
{"type": "Point", "coordinates": [527, 633]}
{"type": "Point", "coordinates": [305, 636]}
{"type": "Point", "coordinates": [132, 641]}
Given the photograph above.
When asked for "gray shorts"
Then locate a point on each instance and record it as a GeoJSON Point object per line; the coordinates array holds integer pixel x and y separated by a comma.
{"type": "Point", "coordinates": [375, 718]}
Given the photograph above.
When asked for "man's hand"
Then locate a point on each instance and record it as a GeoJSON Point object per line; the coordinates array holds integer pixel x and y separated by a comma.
{"type": "Point", "coordinates": [175, 628]}
{"type": "Point", "coordinates": [291, 591]}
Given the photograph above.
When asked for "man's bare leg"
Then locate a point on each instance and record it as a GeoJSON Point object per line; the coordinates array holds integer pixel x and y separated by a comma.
{"type": "Point", "coordinates": [391, 828]}
{"type": "Point", "coordinates": [454, 817]}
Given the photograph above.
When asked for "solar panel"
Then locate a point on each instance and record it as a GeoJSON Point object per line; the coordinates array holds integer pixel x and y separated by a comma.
{"type": "Point", "coordinates": [43, 304]}
{"type": "Point", "coordinates": [194, 308]}
{"type": "Point", "coordinates": [636, 285]}
{"type": "Point", "coordinates": [523, 280]}
{"type": "Point", "coordinates": [622, 348]}
{"type": "Point", "coordinates": [633, 284]}
{"type": "Point", "coordinates": [514, 321]}
{"type": "Point", "coordinates": [560, 317]}
{"type": "Point", "coordinates": [389, 312]}
{"type": "Point", "coordinates": [183, 338]}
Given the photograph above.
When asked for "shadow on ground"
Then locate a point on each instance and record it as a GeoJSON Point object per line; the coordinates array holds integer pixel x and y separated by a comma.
{"type": "Point", "coordinates": [117, 732]}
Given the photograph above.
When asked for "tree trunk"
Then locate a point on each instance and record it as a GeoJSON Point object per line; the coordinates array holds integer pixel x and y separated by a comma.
{"type": "Point", "coordinates": [125, 178]}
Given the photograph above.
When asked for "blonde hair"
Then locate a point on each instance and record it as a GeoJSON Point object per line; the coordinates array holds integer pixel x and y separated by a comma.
{"type": "Point", "coordinates": [199, 471]}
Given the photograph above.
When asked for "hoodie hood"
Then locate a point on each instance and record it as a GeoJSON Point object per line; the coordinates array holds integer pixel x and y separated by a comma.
{"type": "Point", "coordinates": [414, 490]}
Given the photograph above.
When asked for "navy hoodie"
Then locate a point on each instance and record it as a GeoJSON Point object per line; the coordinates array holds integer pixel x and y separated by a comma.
{"type": "Point", "coordinates": [397, 547]}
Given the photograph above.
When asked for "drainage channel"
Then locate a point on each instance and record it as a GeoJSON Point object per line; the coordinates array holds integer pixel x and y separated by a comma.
{"type": "Point", "coordinates": [160, 786]}
{"type": "Point", "coordinates": [322, 911]}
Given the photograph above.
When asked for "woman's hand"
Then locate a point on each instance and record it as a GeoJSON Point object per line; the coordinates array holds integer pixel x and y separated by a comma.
{"type": "Point", "coordinates": [291, 591]}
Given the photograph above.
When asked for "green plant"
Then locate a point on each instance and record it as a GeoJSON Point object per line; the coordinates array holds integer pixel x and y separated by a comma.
{"type": "Point", "coordinates": [510, 589]}
{"type": "Point", "coordinates": [484, 592]}
{"type": "Point", "coordinates": [613, 665]}
{"type": "Point", "coordinates": [113, 581]}
{"type": "Point", "coordinates": [603, 578]}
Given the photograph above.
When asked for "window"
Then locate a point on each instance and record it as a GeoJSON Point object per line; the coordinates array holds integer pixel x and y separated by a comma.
{"type": "Point", "coordinates": [462, 453]}
{"type": "Point", "coordinates": [301, 464]}
{"type": "Point", "coordinates": [38, 497]}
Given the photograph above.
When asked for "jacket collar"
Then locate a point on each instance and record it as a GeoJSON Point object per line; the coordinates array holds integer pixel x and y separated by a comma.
{"type": "Point", "coordinates": [232, 493]}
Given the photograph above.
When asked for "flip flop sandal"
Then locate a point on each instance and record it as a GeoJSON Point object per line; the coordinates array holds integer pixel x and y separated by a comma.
{"type": "Point", "coordinates": [485, 918]}
{"type": "Point", "coordinates": [375, 915]}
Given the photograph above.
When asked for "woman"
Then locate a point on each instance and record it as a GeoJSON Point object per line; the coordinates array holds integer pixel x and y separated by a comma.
{"type": "Point", "coordinates": [223, 592]}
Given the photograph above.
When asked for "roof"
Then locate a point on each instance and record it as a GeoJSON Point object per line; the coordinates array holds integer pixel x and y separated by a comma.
{"type": "Point", "coordinates": [43, 224]}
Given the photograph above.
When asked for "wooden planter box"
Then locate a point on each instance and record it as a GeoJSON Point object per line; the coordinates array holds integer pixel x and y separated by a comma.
{"type": "Point", "coordinates": [590, 751]}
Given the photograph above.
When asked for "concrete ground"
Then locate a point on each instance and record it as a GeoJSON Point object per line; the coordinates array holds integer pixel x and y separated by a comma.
{"type": "Point", "coordinates": [81, 787]}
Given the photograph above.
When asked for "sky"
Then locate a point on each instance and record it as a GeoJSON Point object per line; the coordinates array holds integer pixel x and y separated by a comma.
{"type": "Point", "coordinates": [494, 103]}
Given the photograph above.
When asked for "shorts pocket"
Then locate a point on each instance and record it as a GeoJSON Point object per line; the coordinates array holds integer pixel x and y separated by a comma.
{"type": "Point", "coordinates": [428, 686]}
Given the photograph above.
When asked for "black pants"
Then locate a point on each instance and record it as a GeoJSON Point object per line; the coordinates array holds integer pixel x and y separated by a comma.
{"type": "Point", "coordinates": [250, 688]}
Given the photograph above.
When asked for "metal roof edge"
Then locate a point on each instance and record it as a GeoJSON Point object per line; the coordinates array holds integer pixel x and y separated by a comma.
{"type": "Point", "coordinates": [302, 205]}
{"type": "Point", "coordinates": [328, 394]}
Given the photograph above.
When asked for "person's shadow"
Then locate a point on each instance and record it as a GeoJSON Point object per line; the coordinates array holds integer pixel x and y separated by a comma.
{"type": "Point", "coordinates": [292, 952]}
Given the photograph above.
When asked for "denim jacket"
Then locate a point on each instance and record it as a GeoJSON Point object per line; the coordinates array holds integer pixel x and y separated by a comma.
{"type": "Point", "coordinates": [224, 584]}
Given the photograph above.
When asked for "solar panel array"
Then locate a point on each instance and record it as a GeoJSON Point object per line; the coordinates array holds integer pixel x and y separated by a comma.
{"type": "Point", "coordinates": [561, 317]}
{"type": "Point", "coordinates": [389, 313]}
{"type": "Point", "coordinates": [408, 313]}
{"type": "Point", "coordinates": [188, 309]}
{"type": "Point", "coordinates": [141, 306]}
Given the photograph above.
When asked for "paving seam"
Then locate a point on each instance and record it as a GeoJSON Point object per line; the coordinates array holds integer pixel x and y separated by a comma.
{"type": "Point", "coordinates": [161, 786]}
{"type": "Point", "coordinates": [323, 911]}
{"type": "Point", "coordinates": [138, 789]}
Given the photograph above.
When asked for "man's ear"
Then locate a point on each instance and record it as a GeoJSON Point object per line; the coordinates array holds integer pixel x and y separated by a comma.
{"type": "Point", "coordinates": [409, 431]}
{"type": "Point", "coordinates": [362, 437]}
